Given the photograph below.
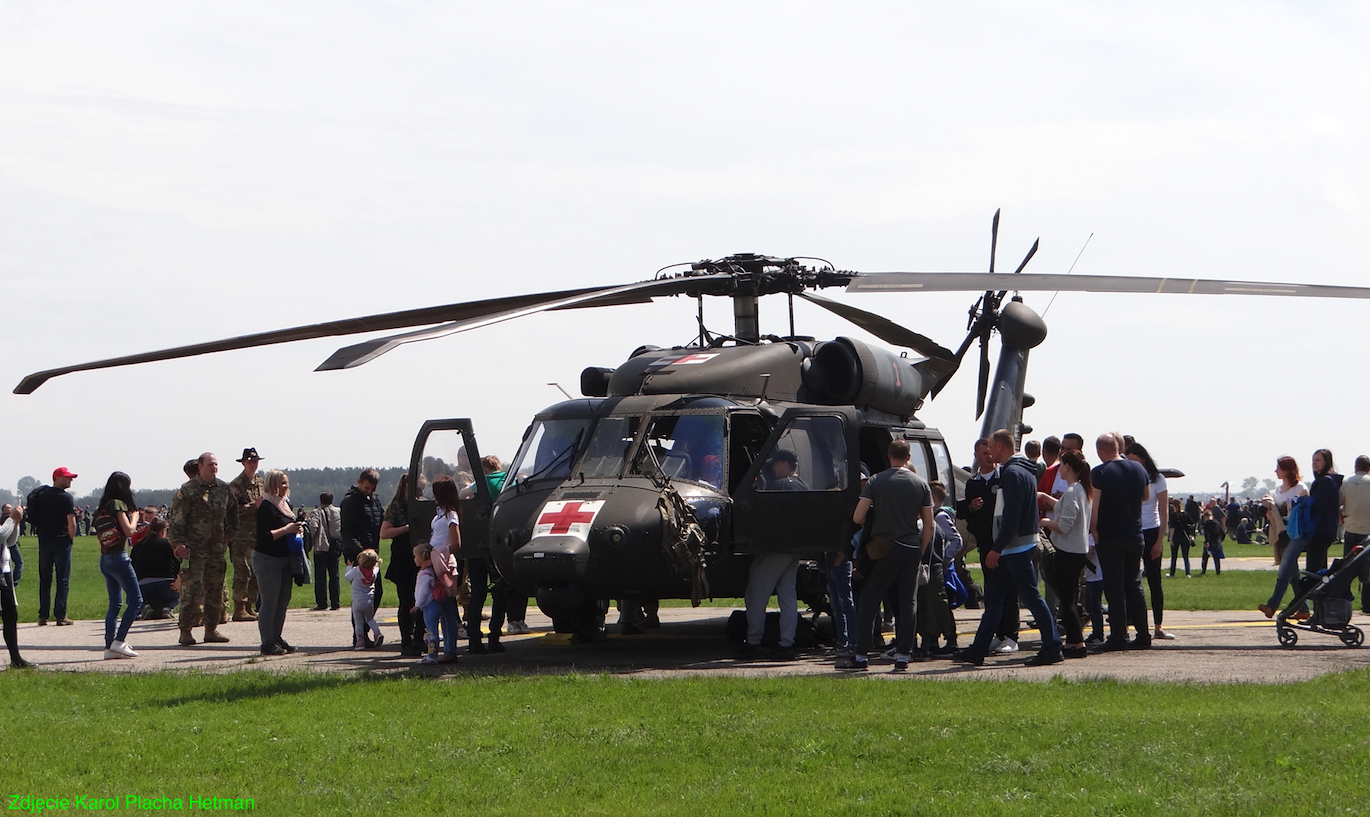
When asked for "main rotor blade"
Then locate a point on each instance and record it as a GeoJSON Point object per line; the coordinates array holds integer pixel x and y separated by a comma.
{"type": "Point", "coordinates": [884, 328]}
{"type": "Point", "coordinates": [355, 355]}
{"type": "Point", "coordinates": [493, 308]}
{"type": "Point", "coordinates": [1049, 282]}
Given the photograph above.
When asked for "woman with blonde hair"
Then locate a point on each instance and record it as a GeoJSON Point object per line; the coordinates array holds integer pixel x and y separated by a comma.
{"type": "Point", "coordinates": [276, 527]}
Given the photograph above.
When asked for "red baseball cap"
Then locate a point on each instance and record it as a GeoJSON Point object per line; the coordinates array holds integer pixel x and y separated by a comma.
{"type": "Point", "coordinates": [63, 472]}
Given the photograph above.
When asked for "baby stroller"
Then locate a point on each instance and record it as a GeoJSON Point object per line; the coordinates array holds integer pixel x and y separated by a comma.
{"type": "Point", "coordinates": [1330, 592]}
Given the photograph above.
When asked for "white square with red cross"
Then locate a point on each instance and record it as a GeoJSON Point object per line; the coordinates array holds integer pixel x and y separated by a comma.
{"type": "Point", "coordinates": [570, 518]}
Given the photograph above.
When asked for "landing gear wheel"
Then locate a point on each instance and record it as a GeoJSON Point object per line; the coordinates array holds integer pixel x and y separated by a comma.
{"type": "Point", "coordinates": [587, 622]}
{"type": "Point", "coordinates": [1353, 637]}
{"type": "Point", "coordinates": [1288, 637]}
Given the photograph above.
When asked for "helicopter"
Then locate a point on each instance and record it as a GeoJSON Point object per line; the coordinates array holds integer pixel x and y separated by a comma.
{"type": "Point", "coordinates": [680, 464]}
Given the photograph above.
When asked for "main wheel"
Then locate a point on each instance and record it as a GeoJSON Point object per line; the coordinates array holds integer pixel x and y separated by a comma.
{"type": "Point", "coordinates": [1288, 636]}
{"type": "Point", "coordinates": [1353, 637]}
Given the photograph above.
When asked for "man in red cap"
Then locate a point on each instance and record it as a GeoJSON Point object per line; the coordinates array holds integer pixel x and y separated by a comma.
{"type": "Point", "coordinates": [55, 515]}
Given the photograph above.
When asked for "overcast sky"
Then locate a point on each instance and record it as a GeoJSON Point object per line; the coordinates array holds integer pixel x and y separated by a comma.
{"type": "Point", "coordinates": [180, 172]}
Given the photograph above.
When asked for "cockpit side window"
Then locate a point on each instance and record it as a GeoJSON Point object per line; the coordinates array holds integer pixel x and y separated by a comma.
{"type": "Point", "coordinates": [688, 447]}
{"type": "Point", "coordinates": [746, 437]}
{"type": "Point", "coordinates": [810, 455]}
{"type": "Point", "coordinates": [608, 446]}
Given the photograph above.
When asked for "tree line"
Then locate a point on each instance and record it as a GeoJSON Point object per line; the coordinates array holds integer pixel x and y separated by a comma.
{"type": "Point", "coordinates": [305, 486]}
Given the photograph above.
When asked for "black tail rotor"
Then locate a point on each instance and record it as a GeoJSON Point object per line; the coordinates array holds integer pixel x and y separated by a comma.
{"type": "Point", "coordinates": [984, 319]}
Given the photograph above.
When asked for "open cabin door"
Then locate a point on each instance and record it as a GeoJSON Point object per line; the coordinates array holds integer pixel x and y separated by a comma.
{"type": "Point", "coordinates": [447, 448]}
{"type": "Point", "coordinates": [805, 504]}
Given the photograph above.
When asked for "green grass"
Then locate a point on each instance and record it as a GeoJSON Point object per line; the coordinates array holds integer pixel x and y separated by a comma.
{"type": "Point", "coordinates": [329, 744]}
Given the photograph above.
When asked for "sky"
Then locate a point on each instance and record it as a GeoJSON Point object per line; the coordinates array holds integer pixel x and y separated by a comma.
{"type": "Point", "coordinates": [173, 173]}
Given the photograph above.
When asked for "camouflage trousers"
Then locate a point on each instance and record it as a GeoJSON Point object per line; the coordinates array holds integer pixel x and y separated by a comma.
{"type": "Point", "coordinates": [244, 581]}
{"type": "Point", "coordinates": [202, 585]}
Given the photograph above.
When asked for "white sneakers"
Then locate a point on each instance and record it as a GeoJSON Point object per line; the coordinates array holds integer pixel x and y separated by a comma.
{"type": "Point", "coordinates": [1003, 646]}
{"type": "Point", "coordinates": [120, 650]}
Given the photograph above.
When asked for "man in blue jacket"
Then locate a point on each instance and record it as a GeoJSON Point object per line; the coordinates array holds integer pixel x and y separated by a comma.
{"type": "Point", "coordinates": [1015, 542]}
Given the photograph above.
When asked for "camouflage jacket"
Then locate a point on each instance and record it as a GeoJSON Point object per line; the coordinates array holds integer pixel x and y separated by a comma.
{"type": "Point", "coordinates": [248, 494]}
{"type": "Point", "coordinates": [203, 513]}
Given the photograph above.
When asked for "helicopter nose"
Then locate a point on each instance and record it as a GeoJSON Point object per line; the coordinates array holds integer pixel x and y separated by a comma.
{"type": "Point", "coordinates": [553, 558]}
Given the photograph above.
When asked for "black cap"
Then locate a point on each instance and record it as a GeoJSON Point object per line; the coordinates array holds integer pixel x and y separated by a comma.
{"type": "Point", "coordinates": [249, 454]}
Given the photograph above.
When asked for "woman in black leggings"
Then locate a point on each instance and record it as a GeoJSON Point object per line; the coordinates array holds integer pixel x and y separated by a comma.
{"type": "Point", "coordinates": [1181, 536]}
{"type": "Point", "coordinates": [1326, 494]}
{"type": "Point", "coordinates": [1155, 521]}
{"type": "Point", "coordinates": [9, 609]}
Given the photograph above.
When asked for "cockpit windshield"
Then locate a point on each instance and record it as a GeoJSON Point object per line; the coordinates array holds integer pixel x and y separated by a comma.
{"type": "Point", "coordinates": [608, 446]}
{"type": "Point", "coordinates": [688, 447]}
{"type": "Point", "coordinates": [549, 451]}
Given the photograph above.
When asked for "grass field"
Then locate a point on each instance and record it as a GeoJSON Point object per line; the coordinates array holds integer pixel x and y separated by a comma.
{"type": "Point", "coordinates": [328, 744]}
{"type": "Point", "coordinates": [1234, 590]}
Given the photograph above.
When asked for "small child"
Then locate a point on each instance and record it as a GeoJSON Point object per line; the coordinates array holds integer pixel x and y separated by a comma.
{"type": "Point", "coordinates": [362, 576]}
{"type": "Point", "coordinates": [426, 592]}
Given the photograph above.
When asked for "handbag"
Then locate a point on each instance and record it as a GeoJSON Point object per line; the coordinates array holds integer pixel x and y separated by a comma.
{"type": "Point", "coordinates": [879, 547]}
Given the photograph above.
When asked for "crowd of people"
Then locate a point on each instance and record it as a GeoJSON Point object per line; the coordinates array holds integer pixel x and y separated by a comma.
{"type": "Point", "coordinates": [1091, 532]}
{"type": "Point", "coordinates": [160, 562]}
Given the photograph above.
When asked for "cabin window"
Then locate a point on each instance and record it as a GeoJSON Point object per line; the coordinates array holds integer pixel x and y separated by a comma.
{"type": "Point", "coordinates": [943, 462]}
{"type": "Point", "coordinates": [811, 455]}
{"type": "Point", "coordinates": [444, 455]}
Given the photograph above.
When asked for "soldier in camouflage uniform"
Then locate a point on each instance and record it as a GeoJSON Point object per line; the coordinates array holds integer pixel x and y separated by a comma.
{"type": "Point", "coordinates": [247, 490]}
{"type": "Point", "coordinates": [204, 517]}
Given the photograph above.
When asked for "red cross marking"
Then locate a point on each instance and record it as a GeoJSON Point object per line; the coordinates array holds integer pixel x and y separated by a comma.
{"type": "Point", "coordinates": [562, 520]}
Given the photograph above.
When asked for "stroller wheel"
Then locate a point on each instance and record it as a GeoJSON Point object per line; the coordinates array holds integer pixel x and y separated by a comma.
{"type": "Point", "coordinates": [1288, 637]}
{"type": "Point", "coordinates": [1353, 637]}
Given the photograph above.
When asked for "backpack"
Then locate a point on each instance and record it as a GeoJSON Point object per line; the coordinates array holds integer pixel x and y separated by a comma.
{"type": "Point", "coordinates": [33, 504]}
{"type": "Point", "coordinates": [108, 533]}
{"type": "Point", "coordinates": [1301, 523]}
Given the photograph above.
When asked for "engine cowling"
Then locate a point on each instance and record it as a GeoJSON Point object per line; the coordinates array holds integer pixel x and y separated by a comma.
{"type": "Point", "coordinates": [849, 372]}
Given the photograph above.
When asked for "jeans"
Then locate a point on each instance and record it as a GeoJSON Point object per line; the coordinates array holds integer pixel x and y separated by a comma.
{"type": "Point", "coordinates": [1015, 571]}
{"type": "Point", "coordinates": [1121, 559]}
{"type": "Point", "coordinates": [159, 595]}
{"type": "Point", "coordinates": [899, 572]}
{"type": "Point", "coordinates": [1066, 569]}
{"type": "Point", "coordinates": [17, 557]}
{"type": "Point", "coordinates": [1179, 544]}
{"type": "Point", "coordinates": [843, 605]}
{"type": "Point", "coordinates": [326, 564]}
{"type": "Point", "coordinates": [53, 555]}
{"type": "Point", "coordinates": [1150, 538]}
{"type": "Point", "coordinates": [120, 580]}
{"type": "Point", "coordinates": [1289, 569]}
{"type": "Point", "coordinates": [772, 573]}
{"type": "Point", "coordinates": [1009, 619]}
{"type": "Point", "coordinates": [274, 582]}
{"type": "Point", "coordinates": [1094, 592]}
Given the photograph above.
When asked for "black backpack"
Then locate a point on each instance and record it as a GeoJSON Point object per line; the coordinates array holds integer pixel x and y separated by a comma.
{"type": "Point", "coordinates": [32, 503]}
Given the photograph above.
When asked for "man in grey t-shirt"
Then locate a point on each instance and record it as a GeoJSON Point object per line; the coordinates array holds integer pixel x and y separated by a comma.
{"type": "Point", "coordinates": [903, 512]}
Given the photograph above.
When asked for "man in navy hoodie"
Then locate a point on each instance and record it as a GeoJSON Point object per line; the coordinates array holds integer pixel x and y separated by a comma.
{"type": "Point", "coordinates": [1014, 544]}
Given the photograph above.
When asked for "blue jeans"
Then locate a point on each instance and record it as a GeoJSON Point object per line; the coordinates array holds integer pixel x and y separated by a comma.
{"type": "Point", "coordinates": [1016, 571]}
{"type": "Point", "coordinates": [53, 555]}
{"type": "Point", "coordinates": [120, 579]}
{"type": "Point", "coordinates": [444, 613]}
{"type": "Point", "coordinates": [843, 604]}
{"type": "Point", "coordinates": [1289, 569]}
{"type": "Point", "coordinates": [159, 595]}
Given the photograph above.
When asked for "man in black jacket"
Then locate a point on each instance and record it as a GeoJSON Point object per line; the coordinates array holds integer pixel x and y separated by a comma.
{"type": "Point", "coordinates": [1012, 553]}
{"type": "Point", "coordinates": [978, 511]}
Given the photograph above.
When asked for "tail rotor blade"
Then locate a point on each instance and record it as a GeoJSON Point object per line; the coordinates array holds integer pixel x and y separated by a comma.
{"type": "Point", "coordinates": [993, 241]}
{"type": "Point", "coordinates": [1028, 258]}
{"type": "Point", "coordinates": [984, 378]}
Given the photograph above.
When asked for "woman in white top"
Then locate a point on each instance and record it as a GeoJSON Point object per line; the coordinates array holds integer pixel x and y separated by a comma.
{"type": "Point", "coordinates": [9, 534]}
{"type": "Point", "coordinates": [1155, 522]}
{"type": "Point", "coordinates": [1287, 550]}
{"type": "Point", "coordinates": [1070, 531]}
